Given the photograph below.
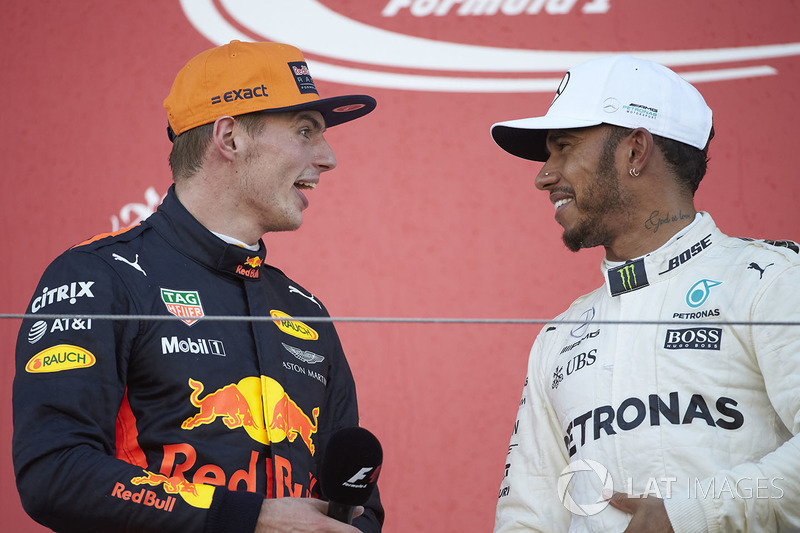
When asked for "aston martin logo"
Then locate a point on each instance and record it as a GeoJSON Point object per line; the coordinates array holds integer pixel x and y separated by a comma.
{"type": "Point", "coordinates": [304, 355]}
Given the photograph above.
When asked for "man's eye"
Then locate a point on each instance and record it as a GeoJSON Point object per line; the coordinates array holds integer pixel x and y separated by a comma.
{"type": "Point", "coordinates": [305, 132]}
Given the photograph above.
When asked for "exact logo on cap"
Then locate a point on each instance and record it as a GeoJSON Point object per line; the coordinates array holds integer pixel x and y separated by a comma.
{"type": "Point", "coordinates": [240, 94]}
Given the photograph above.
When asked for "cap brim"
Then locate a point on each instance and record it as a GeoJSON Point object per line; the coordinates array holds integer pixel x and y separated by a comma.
{"type": "Point", "coordinates": [335, 110]}
{"type": "Point", "coordinates": [526, 137]}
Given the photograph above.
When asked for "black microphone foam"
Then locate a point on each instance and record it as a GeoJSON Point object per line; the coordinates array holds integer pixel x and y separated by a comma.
{"type": "Point", "coordinates": [350, 469]}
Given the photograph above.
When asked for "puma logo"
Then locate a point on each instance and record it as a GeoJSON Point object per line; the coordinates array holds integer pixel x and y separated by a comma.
{"type": "Point", "coordinates": [755, 266]}
{"type": "Point", "coordinates": [135, 263]}
{"type": "Point", "coordinates": [298, 291]}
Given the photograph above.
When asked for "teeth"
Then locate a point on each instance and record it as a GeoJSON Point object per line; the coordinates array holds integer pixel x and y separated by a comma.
{"type": "Point", "coordinates": [562, 202]}
{"type": "Point", "coordinates": [305, 185]}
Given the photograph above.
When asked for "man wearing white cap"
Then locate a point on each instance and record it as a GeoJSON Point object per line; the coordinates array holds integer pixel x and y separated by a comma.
{"type": "Point", "coordinates": [660, 401]}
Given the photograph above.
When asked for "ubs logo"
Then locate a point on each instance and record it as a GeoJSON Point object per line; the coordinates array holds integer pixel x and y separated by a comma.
{"type": "Point", "coordinates": [579, 362]}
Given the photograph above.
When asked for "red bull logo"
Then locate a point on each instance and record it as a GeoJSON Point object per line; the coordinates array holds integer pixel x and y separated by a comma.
{"type": "Point", "coordinates": [171, 485]}
{"type": "Point", "coordinates": [301, 70]}
{"type": "Point", "coordinates": [253, 262]}
{"type": "Point", "coordinates": [227, 403]}
{"type": "Point", "coordinates": [293, 422]}
{"type": "Point", "coordinates": [278, 476]}
{"type": "Point", "coordinates": [252, 272]}
{"type": "Point", "coordinates": [259, 405]}
{"type": "Point", "coordinates": [195, 494]}
{"type": "Point", "coordinates": [143, 497]}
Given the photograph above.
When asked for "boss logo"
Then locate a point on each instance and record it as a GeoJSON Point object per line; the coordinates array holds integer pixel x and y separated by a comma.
{"type": "Point", "coordinates": [693, 339]}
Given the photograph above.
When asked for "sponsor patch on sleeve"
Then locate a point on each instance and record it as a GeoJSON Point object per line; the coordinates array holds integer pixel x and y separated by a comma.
{"type": "Point", "coordinates": [60, 357]}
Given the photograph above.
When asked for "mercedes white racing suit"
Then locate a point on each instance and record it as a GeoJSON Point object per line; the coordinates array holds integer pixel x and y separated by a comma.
{"type": "Point", "coordinates": [678, 379]}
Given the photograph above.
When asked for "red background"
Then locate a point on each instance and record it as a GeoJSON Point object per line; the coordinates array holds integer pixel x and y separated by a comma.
{"type": "Point", "coordinates": [424, 217]}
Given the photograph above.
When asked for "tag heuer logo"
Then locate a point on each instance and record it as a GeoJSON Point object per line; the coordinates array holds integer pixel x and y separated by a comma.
{"type": "Point", "coordinates": [183, 304]}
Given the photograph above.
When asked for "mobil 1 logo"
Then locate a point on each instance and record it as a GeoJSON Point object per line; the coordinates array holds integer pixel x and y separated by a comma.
{"type": "Point", "coordinates": [170, 345]}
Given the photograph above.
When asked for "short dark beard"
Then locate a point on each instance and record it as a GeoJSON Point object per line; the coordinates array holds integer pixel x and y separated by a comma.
{"type": "Point", "coordinates": [599, 199]}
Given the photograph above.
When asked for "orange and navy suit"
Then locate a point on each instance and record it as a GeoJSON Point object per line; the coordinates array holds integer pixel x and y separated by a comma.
{"type": "Point", "coordinates": [136, 410]}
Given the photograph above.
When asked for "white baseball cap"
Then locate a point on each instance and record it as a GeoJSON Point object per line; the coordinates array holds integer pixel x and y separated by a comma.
{"type": "Point", "coordinates": [621, 90]}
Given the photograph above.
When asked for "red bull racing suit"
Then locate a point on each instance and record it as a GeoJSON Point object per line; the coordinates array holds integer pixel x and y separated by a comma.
{"type": "Point", "coordinates": [699, 407]}
{"type": "Point", "coordinates": [169, 420]}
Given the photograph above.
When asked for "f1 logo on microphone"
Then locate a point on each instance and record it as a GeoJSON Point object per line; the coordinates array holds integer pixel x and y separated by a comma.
{"type": "Point", "coordinates": [362, 475]}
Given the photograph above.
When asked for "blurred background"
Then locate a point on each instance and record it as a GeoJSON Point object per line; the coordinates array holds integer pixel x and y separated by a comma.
{"type": "Point", "coordinates": [425, 217]}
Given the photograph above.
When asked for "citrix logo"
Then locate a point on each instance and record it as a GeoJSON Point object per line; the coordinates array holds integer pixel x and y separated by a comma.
{"type": "Point", "coordinates": [241, 94]}
{"type": "Point", "coordinates": [564, 479]}
{"type": "Point", "coordinates": [69, 292]}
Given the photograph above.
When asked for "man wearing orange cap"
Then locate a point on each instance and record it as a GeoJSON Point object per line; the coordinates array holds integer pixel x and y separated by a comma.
{"type": "Point", "coordinates": [187, 423]}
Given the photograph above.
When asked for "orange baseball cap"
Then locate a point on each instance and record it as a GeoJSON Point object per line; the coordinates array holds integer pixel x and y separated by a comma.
{"type": "Point", "coordinates": [242, 77]}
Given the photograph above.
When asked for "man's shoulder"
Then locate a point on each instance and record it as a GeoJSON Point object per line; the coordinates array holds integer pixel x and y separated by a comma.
{"type": "Point", "coordinates": [579, 304]}
{"type": "Point", "coordinates": [101, 240]}
{"type": "Point", "coordinates": [294, 290]}
{"type": "Point", "coordinates": [103, 254]}
{"type": "Point", "coordinates": [779, 252]}
{"type": "Point", "coordinates": [783, 247]}
{"type": "Point", "coordinates": [582, 309]}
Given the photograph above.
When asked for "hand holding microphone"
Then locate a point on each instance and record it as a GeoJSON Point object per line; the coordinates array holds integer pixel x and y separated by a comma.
{"type": "Point", "coordinates": [349, 472]}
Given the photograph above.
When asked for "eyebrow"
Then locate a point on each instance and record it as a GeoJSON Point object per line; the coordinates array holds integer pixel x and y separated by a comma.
{"type": "Point", "coordinates": [557, 135]}
{"type": "Point", "coordinates": [305, 115]}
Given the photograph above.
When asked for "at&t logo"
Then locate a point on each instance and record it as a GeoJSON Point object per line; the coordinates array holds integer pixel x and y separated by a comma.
{"type": "Point", "coordinates": [591, 468]}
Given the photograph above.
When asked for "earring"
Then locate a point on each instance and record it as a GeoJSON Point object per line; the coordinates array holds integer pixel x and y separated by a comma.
{"type": "Point", "coordinates": [633, 172]}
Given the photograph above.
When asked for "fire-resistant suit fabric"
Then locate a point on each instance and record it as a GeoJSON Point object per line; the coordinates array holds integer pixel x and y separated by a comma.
{"type": "Point", "coordinates": [176, 422]}
{"type": "Point", "coordinates": [666, 382]}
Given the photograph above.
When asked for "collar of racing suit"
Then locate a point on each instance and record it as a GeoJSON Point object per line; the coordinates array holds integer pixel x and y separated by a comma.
{"type": "Point", "coordinates": [176, 225]}
{"type": "Point", "coordinates": [663, 263]}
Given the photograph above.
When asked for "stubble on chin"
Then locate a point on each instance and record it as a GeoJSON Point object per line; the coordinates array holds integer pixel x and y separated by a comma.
{"type": "Point", "coordinates": [602, 199]}
{"type": "Point", "coordinates": [572, 240]}
{"type": "Point", "coordinates": [587, 234]}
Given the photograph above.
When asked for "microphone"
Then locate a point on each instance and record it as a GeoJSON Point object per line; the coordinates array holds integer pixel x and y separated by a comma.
{"type": "Point", "coordinates": [349, 471]}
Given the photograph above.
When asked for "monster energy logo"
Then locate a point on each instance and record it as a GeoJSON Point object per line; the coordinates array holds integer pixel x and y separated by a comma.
{"type": "Point", "coordinates": [628, 277]}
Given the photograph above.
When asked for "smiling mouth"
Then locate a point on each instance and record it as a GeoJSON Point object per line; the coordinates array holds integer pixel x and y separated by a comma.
{"type": "Point", "coordinates": [559, 203]}
{"type": "Point", "coordinates": [305, 185]}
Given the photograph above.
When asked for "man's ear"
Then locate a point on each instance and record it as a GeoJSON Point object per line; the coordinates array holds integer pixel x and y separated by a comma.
{"type": "Point", "coordinates": [640, 146]}
{"type": "Point", "coordinates": [224, 138]}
